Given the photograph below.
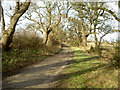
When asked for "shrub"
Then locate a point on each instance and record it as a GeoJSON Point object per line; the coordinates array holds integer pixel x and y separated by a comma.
{"type": "Point", "coordinates": [95, 50]}
{"type": "Point", "coordinates": [27, 48]}
{"type": "Point", "coordinates": [26, 40]}
{"type": "Point", "coordinates": [92, 49]}
{"type": "Point", "coordinates": [115, 61]}
{"type": "Point", "coordinates": [55, 42]}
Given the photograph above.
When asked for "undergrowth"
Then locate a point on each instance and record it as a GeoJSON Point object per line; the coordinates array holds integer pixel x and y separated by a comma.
{"type": "Point", "coordinates": [26, 49]}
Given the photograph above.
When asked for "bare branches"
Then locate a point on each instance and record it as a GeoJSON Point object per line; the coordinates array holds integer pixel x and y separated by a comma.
{"type": "Point", "coordinates": [47, 17]}
{"type": "Point", "coordinates": [24, 7]}
{"type": "Point", "coordinates": [29, 18]}
{"type": "Point", "coordinates": [104, 9]}
{"type": "Point", "coordinates": [107, 10]}
{"type": "Point", "coordinates": [17, 6]}
{"type": "Point", "coordinates": [58, 20]}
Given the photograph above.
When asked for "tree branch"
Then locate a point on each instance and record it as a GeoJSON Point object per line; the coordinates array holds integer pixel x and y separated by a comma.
{"type": "Point", "coordinates": [104, 9]}
{"type": "Point", "coordinates": [109, 11]}
{"type": "Point", "coordinates": [2, 19]}
{"type": "Point", "coordinates": [116, 30]}
{"type": "Point", "coordinates": [24, 7]}
{"type": "Point", "coordinates": [29, 18]}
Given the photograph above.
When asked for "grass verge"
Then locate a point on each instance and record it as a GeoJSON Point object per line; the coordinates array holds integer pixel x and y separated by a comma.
{"type": "Point", "coordinates": [16, 59]}
{"type": "Point", "coordinates": [88, 71]}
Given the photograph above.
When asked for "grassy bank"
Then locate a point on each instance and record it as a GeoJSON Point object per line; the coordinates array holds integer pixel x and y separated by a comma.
{"type": "Point", "coordinates": [89, 71]}
{"type": "Point", "coordinates": [16, 59]}
{"type": "Point", "coordinates": [25, 50]}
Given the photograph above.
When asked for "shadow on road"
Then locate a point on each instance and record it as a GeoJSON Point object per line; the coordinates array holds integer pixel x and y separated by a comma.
{"type": "Point", "coordinates": [53, 78]}
{"type": "Point", "coordinates": [36, 81]}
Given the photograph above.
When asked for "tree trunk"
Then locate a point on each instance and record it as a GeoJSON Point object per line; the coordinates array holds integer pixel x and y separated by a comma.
{"type": "Point", "coordinates": [99, 43]}
{"type": "Point", "coordinates": [49, 41]}
{"type": "Point", "coordinates": [95, 37]}
{"type": "Point", "coordinates": [6, 41]}
{"type": "Point", "coordinates": [47, 38]}
{"type": "Point", "coordinates": [96, 41]}
{"type": "Point", "coordinates": [84, 36]}
{"type": "Point", "coordinates": [85, 40]}
{"type": "Point", "coordinates": [7, 35]}
{"type": "Point", "coordinates": [0, 10]}
{"type": "Point", "coordinates": [80, 38]}
{"type": "Point", "coordinates": [2, 19]}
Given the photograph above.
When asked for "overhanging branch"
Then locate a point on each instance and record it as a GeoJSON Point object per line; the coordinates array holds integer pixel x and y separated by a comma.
{"type": "Point", "coordinates": [107, 10]}
{"type": "Point", "coordinates": [100, 8]}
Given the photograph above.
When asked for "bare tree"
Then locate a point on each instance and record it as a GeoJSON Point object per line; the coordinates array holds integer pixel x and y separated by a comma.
{"type": "Point", "coordinates": [102, 8]}
{"type": "Point", "coordinates": [91, 21]}
{"type": "Point", "coordinates": [47, 18]}
{"type": "Point", "coordinates": [7, 34]}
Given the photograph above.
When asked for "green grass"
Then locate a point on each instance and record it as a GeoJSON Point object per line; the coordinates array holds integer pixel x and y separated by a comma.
{"type": "Point", "coordinates": [89, 71]}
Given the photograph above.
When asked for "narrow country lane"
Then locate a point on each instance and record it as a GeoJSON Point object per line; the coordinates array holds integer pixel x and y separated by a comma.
{"type": "Point", "coordinates": [41, 75]}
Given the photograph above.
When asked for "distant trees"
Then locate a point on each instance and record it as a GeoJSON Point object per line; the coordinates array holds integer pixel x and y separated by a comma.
{"type": "Point", "coordinates": [75, 28]}
{"type": "Point", "coordinates": [88, 21]}
{"type": "Point", "coordinates": [7, 34]}
{"type": "Point", "coordinates": [90, 18]}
